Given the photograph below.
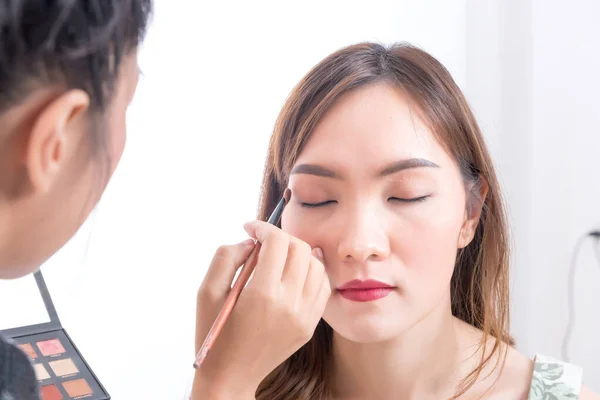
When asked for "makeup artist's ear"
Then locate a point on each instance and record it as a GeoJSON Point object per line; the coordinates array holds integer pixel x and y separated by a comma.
{"type": "Point", "coordinates": [54, 137]}
{"type": "Point", "coordinates": [475, 200]}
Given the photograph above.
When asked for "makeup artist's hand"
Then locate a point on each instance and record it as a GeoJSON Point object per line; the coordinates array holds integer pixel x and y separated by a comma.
{"type": "Point", "coordinates": [275, 315]}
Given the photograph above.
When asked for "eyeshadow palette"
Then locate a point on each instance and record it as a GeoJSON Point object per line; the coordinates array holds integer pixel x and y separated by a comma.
{"type": "Point", "coordinates": [61, 370]}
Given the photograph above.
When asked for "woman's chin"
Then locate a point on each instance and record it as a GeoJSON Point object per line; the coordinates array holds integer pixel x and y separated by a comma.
{"type": "Point", "coordinates": [367, 330]}
{"type": "Point", "coordinates": [367, 323]}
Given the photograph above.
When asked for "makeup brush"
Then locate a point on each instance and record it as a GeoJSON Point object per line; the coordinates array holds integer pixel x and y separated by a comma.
{"type": "Point", "coordinates": [238, 286]}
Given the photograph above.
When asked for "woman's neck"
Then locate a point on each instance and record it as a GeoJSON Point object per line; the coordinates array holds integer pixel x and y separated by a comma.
{"type": "Point", "coordinates": [4, 231]}
{"type": "Point", "coordinates": [422, 363]}
{"type": "Point", "coordinates": [10, 246]}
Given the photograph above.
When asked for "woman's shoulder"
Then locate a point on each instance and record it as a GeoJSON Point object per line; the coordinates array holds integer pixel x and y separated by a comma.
{"type": "Point", "coordinates": [512, 375]}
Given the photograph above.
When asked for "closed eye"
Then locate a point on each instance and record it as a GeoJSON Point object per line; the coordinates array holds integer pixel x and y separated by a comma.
{"type": "Point", "coordinates": [413, 200]}
{"type": "Point", "coordinates": [321, 204]}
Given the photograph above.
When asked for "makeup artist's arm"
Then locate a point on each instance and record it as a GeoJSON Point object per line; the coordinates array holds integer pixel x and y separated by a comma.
{"type": "Point", "coordinates": [275, 315]}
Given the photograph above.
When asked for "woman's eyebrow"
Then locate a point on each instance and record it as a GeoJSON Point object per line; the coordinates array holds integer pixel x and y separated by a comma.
{"type": "Point", "coordinates": [314, 169]}
{"type": "Point", "coordinates": [319, 170]}
{"type": "Point", "coordinates": [407, 164]}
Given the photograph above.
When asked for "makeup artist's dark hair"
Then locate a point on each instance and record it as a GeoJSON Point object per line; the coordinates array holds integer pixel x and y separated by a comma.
{"type": "Point", "coordinates": [67, 43]}
{"type": "Point", "coordinates": [480, 284]}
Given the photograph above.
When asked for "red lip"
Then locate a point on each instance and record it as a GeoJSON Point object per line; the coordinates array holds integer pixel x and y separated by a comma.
{"type": "Point", "coordinates": [360, 291]}
{"type": "Point", "coordinates": [357, 284]}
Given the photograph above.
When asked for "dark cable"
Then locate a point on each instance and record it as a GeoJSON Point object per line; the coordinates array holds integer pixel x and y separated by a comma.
{"type": "Point", "coordinates": [571, 289]}
{"type": "Point", "coordinates": [597, 251]}
{"type": "Point", "coordinates": [596, 235]}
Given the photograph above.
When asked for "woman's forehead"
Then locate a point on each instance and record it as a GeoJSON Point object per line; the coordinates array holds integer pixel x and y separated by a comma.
{"type": "Point", "coordinates": [370, 128]}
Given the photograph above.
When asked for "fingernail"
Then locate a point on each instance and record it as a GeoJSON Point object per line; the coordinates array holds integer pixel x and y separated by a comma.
{"type": "Point", "coordinates": [247, 243]}
{"type": "Point", "coordinates": [317, 252]}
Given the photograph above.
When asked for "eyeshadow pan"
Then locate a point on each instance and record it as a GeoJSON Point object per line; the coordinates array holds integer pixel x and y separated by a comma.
{"type": "Point", "coordinates": [51, 392]}
{"type": "Point", "coordinates": [78, 387]}
{"type": "Point", "coordinates": [28, 349]}
{"type": "Point", "coordinates": [51, 347]}
{"type": "Point", "coordinates": [40, 372]}
{"type": "Point", "coordinates": [63, 367]}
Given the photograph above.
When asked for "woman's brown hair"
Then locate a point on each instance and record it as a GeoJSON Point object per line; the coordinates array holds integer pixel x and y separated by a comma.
{"type": "Point", "coordinates": [479, 285]}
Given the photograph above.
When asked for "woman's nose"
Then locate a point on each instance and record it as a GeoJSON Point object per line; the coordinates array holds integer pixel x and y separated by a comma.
{"type": "Point", "coordinates": [363, 237]}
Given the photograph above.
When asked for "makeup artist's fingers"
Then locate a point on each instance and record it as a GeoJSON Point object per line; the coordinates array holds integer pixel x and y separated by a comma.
{"type": "Point", "coordinates": [226, 261]}
{"type": "Point", "coordinates": [320, 299]}
{"type": "Point", "coordinates": [324, 294]}
{"type": "Point", "coordinates": [296, 266]}
{"type": "Point", "coordinates": [314, 277]}
{"type": "Point", "coordinates": [272, 255]}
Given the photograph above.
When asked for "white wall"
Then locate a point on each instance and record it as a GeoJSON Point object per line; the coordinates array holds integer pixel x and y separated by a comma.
{"type": "Point", "coordinates": [566, 184]}
{"type": "Point", "coordinates": [532, 77]}
{"type": "Point", "coordinates": [216, 75]}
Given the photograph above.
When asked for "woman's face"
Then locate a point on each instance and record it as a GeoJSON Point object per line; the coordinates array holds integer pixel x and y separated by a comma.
{"type": "Point", "coordinates": [384, 201]}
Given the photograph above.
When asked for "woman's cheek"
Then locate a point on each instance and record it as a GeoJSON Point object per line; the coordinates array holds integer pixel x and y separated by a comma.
{"type": "Point", "coordinates": [293, 223]}
{"type": "Point", "coordinates": [428, 252]}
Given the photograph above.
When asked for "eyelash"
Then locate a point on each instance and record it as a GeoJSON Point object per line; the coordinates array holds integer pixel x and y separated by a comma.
{"type": "Point", "coordinates": [397, 199]}
{"type": "Point", "coordinates": [315, 205]}
{"type": "Point", "coordinates": [414, 200]}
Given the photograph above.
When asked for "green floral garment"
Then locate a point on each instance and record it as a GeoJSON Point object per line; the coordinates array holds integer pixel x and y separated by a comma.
{"type": "Point", "coordinates": [555, 380]}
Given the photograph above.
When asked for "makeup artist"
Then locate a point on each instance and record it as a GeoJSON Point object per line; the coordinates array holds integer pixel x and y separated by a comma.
{"type": "Point", "coordinates": [68, 71]}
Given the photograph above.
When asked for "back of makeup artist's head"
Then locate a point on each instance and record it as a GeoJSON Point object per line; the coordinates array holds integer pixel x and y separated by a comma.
{"type": "Point", "coordinates": [439, 233]}
{"type": "Point", "coordinates": [68, 70]}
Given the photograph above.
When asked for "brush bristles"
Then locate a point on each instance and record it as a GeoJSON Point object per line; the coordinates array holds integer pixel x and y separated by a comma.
{"type": "Point", "coordinates": [287, 195]}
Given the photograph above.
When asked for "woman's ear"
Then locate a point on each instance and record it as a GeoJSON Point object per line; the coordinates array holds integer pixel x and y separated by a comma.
{"type": "Point", "coordinates": [52, 138]}
{"type": "Point", "coordinates": [476, 196]}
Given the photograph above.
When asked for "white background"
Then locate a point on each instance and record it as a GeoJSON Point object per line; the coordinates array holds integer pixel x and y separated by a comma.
{"type": "Point", "coordinates": [216, 75]}
{"type": "Point", "coordinates": [532, 78]}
